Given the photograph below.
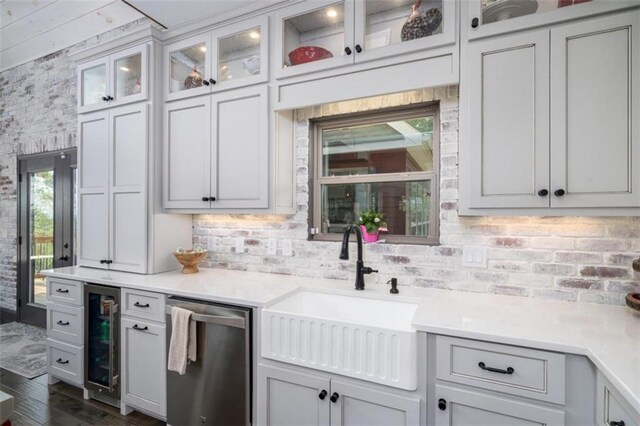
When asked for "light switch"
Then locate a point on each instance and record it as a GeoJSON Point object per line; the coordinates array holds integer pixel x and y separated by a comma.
{"type": "Point", "coordinates": [239, 245]}
{"type": "Point", "coordinates": [213, 243]}
{"type": "Point", "coordinates": [474, 256]}
{"type": "Point", "coordinates": [272, 246]}
{"type": "Point", "coordinates": [287, 248]}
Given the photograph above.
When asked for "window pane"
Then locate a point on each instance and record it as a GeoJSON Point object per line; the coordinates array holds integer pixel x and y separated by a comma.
{"type": "Point", "coordinates": [128, 76]}
{"type": "Point", "coordinates": [94, 85]}
{"type": "Point", "coordinates": [40, 232]}
{"type": "Point", "coordinates": [383, 147]}
{"type": "Point", "coordinates": [187, 67]}
{"type": "Point", "coordinates": [239, 55]}
{"type": "Point", "coordinates": [406, 205]}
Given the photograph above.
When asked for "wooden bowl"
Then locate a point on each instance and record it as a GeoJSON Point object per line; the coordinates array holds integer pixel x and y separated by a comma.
{"type": "Point", "coordinates": [189, 260]}
{"type": "Point", "coordinates": [633, 301]}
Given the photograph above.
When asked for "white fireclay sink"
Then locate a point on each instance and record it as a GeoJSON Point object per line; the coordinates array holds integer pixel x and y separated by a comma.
{"type": "Point", "coordinates": [362, 337]}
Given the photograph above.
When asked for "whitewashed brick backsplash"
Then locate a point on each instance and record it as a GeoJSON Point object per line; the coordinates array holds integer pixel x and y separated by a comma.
{"type": "Point", "coordinates": [566, 258]}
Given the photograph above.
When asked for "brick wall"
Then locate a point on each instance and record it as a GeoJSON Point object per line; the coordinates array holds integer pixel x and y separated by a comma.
{"type": "Point", "coordinates": [38, 114]}
{"type": "Point", "coordinates": [585, 258]}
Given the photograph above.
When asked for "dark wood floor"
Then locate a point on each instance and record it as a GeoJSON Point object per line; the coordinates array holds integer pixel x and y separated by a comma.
{"type": "Point", "coordinates": [36, 403]}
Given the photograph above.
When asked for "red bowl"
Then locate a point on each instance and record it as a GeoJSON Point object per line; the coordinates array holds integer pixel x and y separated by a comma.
{"type": "Point", "coordinates": [304, 54]}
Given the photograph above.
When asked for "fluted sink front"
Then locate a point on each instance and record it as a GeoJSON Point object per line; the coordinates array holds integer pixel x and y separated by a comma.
{"type": "Point", "coordinates": [357, 336]}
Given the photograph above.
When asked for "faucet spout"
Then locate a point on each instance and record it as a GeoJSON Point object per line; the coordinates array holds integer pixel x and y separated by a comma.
{"type": "Point", "coordinates": [361, 270]}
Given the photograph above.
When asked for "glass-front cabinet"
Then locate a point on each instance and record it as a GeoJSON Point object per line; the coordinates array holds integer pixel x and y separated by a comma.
{"type": "Point", "coordinates": [325, 34]}
{"type": "Point", "coordinates": [490, 17]}
{"type": "Point", "coordinates": [233, 56]}
{"type": "Point", "coordinates": [115, 80]}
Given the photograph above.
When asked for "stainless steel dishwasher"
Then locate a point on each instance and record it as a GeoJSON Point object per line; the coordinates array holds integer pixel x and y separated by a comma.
{"type": "Point", "coordinates": [216, 388]}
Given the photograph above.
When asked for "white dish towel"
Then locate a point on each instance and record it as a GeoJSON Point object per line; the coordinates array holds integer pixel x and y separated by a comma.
{"type": "Point", "coordinates": [183, 345]}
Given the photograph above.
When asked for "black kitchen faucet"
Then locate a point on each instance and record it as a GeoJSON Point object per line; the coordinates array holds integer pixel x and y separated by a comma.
{"type": "Point", "coordinates": [361, 270]}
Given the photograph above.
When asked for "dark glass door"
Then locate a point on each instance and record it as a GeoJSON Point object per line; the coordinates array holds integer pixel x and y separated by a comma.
{"type": "Point", "coordinates": [46, 227]}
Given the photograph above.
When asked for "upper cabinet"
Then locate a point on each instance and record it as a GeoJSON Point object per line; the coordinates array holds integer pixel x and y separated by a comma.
{"type": "Point", "coordinates": [229, 57]}
{"type": "Point", "coordinates": [114, 80]}
{"type": "Point", "coordinates": [319, 35]}
{"type": "Point", "coordinates": [549, 120]}
{"type": "Point", "coordinates": [491, 17]}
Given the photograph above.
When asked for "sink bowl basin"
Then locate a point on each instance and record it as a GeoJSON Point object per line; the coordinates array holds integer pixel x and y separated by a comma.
{"type": "Point", "coordinates": [366, 338]}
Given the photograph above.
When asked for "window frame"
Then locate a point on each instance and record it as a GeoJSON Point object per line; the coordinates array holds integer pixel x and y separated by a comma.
{"type": "Point", "coordinates": [371, 117]}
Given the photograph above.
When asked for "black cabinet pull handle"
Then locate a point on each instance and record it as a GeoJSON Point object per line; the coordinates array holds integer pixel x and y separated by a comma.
{"type": "Point", "coordinates": [205, 82]}
{"type": "Point", "coordinates": [442, 404]}
{"type": "Point", "coordinates": [104, 98]}
{"type": "Point", "coordinates": [322, 394]}
{"type": "Point", "coordinates": [347, 50]}
{"type": "Point", "coordinates": [212, 81]}
{"type": "Point", "coordinates": [140, 305]}
{"type": "Point", "coordinates": [334, 397]}
{"type": "Point", "coordinates": [358, 48]}
{"type": "Point", "coordinates": [475, 22]}
{"type": "Point", "coordinates": [509, 370]}
{"type": "Point", "coordinates": [620, 423]}
{"type": "Point", "coordinates": [60, 322]}
{"type": "Point", "coordinates": [59, 290]}
{"type": "Point", "coordinates": [64, 258]}
{"type": "Point", "coordinates": [543, 192]}
{"type": "Point", "coordinates": [559, 192]}
{"type": "Point", "coordinates": [60, 361]}
{"type": "Point", "coordinates": [135, 327]}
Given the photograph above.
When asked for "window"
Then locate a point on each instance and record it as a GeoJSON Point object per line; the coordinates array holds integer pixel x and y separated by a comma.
{"type": "Point", "coordinates": [384, 161]}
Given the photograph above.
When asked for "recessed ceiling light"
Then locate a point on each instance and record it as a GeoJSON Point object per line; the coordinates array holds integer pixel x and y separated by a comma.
{"type": "Point", "coordinates": [125, 69]}
{"type": "Point", "coordinates": [254, 35]}
{"type": "Point", "coordinates": [331, 13]}
{"type": "Point", "coordinates": [203, 48]}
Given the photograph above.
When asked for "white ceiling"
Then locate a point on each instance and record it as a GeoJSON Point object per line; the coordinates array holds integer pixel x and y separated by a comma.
{"type": "Point", "coordinates": [30, 29]}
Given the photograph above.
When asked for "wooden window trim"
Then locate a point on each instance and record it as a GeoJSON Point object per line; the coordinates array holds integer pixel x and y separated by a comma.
{"type": "Point", "coordinates": [370, 117]}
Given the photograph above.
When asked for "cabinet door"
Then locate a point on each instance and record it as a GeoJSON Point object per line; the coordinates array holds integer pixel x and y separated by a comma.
{"type": "Point", "coordinates": [93, 189]}
{"type": "Point", "coordinates": [595, 112]}
{"type": "Point", "coordinates": [458, 407]}
{"type": "Point", "coordinates": [187, 67]}
{"type": "Point", "coordinates": [129, 75]}
{"type": "Point", "coordinates": [240, 175]}
{"type": "Point", "coordinates": [128, 192]}
{"type": "Point", "coordinates": [187, 153]}
{"type": "Point", "coordinates": [508, 113]}
{"type": "Point", "coordinates": [287, 398]}
{"type": "Point", "coordinates": [241, 54]}
{"type": "Point", "coordinates": [380, 32]}
{"type": "Point", "coordinates": [357, 405]}
{"type": "Point", "coordinates": [144, 378]}
{"type": "Point", "coordinates": [314, 36]}
{"type": "Point", "coordinates": [93, 85]}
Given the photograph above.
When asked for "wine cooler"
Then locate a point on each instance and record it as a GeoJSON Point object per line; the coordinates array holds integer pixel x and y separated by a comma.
{"type": "Point", "coordinates": [102, 343]}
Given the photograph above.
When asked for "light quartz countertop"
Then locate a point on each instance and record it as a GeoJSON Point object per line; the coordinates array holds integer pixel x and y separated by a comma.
{"type": "Point", "coordinates": [608, 335]}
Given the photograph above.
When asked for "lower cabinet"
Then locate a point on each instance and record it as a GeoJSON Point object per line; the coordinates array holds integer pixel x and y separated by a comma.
{"type": "Point", "coordinates": [289, 397]}
{"type": "Point", "coordinates": [461, 407]}
{"type": "Point", "coordinates": [611, 408]}
{"type": "Point", "coordinates": [144, 378]}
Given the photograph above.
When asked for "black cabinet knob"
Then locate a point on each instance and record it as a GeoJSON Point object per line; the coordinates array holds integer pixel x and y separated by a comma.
{"type": "Point", "coordinates": [358, 48]}
{"type": "Point", "coordinates": [64, 258]}
{"type": "Point", "coordinates": [108, 262]}
{"type": "Point", "coordinates": [109, 98]}
{"type": "Point", "coordinates": [104, 98]}
{"type": "Point", "coordinates": [102, 261]}
{"type": "Point", "coordinates": [323, 394]}
{"type": "Point", "coordinates": [442, 404]}
{"type": "Point", "coordinates": [212, 81]}
{"type": "Point", "coordinates": [559, 192]}
{"type": "Point", "coordinates": [334, 397]}
{"type": "Point", "coordinates": [205, 198]}
{"type": "Point", "coordinates": [475, 22]}
{"type": "Point", "coordinates": [543, 192]}
{"type": "Point", "coordinates": [620, 423]}
{"type": "Point", "coordinates": [205, 82]}
{"type": "Point", "coordinates": [347, 50]}
{"type": "Point", "coordinates": [212, 198]}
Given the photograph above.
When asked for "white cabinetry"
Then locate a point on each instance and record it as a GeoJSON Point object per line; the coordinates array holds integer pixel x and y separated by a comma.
{"type": "Point", "coordinates": [549, 121]}
{"type": "Point", "coordinates": [144, 353]}
{"type": "Point", "coordinates": [611, 408]}
{"type": "Point", "coordinates": [287, 397]}
{"type": "Point", "coordinates": [217, 151]}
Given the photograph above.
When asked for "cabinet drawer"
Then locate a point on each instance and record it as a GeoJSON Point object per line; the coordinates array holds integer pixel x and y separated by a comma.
{"type": "Point", "coordinates": [143, 304]}
{"type": "Point", "coordinates": [64, 291]}
{"type": "Point", "coordinates": [65, 361]}
{"type": "Point", "coordinates": [612, 407]}
{"type": "Point", "coordinates": [518, 371]}
{"type": "Point", "coordinates": [65, 323]}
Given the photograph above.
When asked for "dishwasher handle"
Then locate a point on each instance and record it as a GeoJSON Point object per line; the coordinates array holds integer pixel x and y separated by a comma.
{"type": "Point", "coordinates": [215, 319]}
